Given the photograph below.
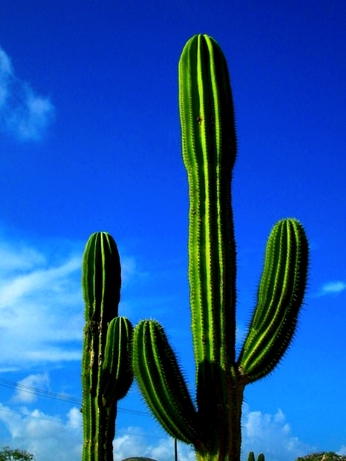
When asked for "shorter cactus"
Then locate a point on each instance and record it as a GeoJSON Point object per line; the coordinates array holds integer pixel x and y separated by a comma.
{"type": "Point", "coordinates": [106, 371]}
{"type": "Point", "coordinates": [251, 457]}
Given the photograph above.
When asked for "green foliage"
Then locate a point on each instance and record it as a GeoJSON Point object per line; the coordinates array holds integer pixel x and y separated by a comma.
{"type": "Point", "coordinates": [212, 423]}
{"type": "Point", "coordinates": [323, 456]}
{"type": "Point", "coordinates": [7, 454]}
{"type": "Point", "coordinates": [106, 370]}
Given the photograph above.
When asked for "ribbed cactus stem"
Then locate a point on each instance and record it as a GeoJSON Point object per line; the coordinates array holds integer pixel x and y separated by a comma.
{"type": "Point", "coordinates": [209, 152]}
{"type": "Point", "coordinates": [106, 373]}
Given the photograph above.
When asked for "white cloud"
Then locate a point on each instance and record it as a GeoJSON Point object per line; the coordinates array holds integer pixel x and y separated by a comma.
{"type": "Point", "coordinates": [45, 436]}
{"type": "Point", "coordinates": [23, 113]}
{"type": "Point", "coordinates": [133, 442]}
{"type": "Point", "coordinates": [270, 435]}
{"type": "Point", "coordinates": [42, 435]}
{"type": "Point", "coordinates": [342, 450]}
{"type": "Point", "coordinates": [25, 388]}
{"type": "Point", "coordinates": [333, 288]}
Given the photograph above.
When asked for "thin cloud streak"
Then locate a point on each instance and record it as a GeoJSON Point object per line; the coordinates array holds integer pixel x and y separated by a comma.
{"type": "Point", "coordinates": [41, 306]}
{"type": "Point", "coordinates": [333, 288]}
{"type": "Point", "coordinates": [23, 114]}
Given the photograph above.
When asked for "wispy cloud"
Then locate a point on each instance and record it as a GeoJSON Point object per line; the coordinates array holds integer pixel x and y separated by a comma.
{"type": "Point", "coordinates": [41, 305]}
{"type": "Point", "coordinates": [23, 113]}
{"type": "Point", "coordinates": [332, 288]}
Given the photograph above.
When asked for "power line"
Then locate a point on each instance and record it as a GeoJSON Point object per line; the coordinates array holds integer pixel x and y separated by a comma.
{"type": "Point", "coordinates": [56, 396]}
{"type": "Point", "coordinates": [36, 391]}
{"type": "Point", "coordinates": [54, 420]}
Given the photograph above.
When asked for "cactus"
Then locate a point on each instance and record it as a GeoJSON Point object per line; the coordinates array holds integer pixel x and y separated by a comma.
{"type": "Point", "coordinates": [251, 457]}
{"type": "Point", "coordinates": [213, 423]}
{"type": "Point", "coordinates": [106, 370]}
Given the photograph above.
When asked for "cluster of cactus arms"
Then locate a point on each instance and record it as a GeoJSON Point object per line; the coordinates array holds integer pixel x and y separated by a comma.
{"type": "Point", "coordinates": [212, 421]}
{"type": "Point", "coordinates": [251, 457]}
{"type": "Point", "coordinates": [106, 362]}
{"type": "Point", "coordinates": [113, 351]}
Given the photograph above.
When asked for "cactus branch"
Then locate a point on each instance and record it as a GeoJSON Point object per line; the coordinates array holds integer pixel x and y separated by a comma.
{"type": "Point", "coordinates": [161, 381]}
{"type": "Point", "coordinates": [279, 298]}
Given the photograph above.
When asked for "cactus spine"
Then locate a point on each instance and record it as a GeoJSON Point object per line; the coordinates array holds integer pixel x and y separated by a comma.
{"type": "Point", "coordinates": [209, 152]}
{"type": "Point", "coordinates": [106, 373]}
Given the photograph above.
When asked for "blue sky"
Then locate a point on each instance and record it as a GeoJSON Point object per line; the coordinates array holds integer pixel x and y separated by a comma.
{"type": "Point", "coordinates": [90, 140]}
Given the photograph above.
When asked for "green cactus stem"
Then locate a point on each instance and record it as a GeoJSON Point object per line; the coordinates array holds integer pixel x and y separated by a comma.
{"type": "Point", "coordinates": [213, 422]}
{"type": "Point", "coordinates": [106, 371]}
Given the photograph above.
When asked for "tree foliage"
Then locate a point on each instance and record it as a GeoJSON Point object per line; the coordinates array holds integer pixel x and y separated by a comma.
{"type": "Point", "coordinates": [7, 454]}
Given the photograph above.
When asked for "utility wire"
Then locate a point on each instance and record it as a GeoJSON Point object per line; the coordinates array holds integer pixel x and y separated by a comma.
{"type": "Point", "coordinates": [56, 396]}
{"type": "Point", "coordinates": [59, 421]}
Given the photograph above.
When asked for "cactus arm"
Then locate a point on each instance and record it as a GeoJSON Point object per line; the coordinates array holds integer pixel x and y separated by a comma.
{"type": "Point", "coordinates": [161, 382]}
{"type": "Point", "coordinates": [279, 298]}
{"type": "Point", "coordinates": [117, 374]}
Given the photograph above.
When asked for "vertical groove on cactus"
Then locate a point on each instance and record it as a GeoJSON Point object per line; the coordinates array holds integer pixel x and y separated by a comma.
{"type": "Point", "coordinates": [106, 373]}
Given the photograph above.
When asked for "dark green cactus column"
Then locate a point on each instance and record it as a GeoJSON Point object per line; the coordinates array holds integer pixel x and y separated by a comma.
{"type": "Point", "coordinates": [106, 371]}
{"type": "Point", "coordinates": [213, 422]}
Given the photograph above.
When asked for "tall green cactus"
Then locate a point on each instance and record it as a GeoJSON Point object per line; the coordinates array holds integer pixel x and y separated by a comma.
{"type": "Point", "coordinates": [106, 363]}
{"type": "Point", "coordinates": [213, 425]}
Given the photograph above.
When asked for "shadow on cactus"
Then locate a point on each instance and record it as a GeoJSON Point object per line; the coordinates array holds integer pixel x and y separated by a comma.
{"type": "Point", "coordinates": [212, 423]}
{"type": "Point", "coordinates": [106, 362]}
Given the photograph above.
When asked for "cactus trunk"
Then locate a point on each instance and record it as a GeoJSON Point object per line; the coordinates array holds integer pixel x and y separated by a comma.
{"type": "Point", "coordinates": [106, 374]}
